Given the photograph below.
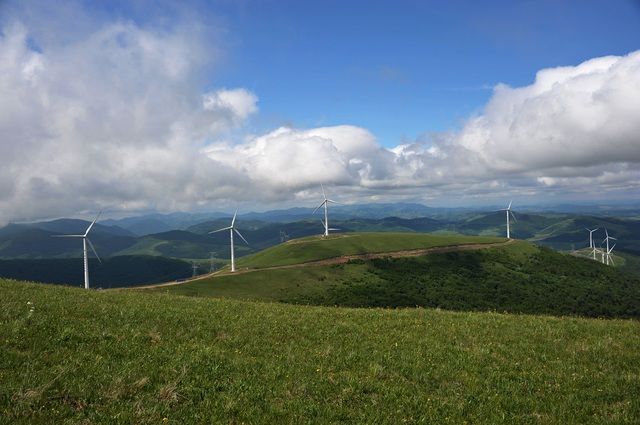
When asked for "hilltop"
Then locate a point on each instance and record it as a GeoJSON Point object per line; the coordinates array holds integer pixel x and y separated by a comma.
{"type": "Point", "coordinates": [317, 248]}
{"type": "Point", "coordinates": [186, 236]}
{"type": "Point", "coordinates": [462, 273]}
{"type": "Point", "coordinates": [70, 355]}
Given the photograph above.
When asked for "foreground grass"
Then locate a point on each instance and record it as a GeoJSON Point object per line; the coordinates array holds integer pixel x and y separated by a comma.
{"type": "Point", "coordinates": [75, 356]}
{"type": "Point", "coordinates": [315, 248]}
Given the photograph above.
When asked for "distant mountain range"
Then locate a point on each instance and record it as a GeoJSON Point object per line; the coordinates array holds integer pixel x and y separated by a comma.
{"type": "Point", "coordinates": [158, 223]}
{"type": "Point", "coordinates": [192, 241]}
{"type": "Point", "coordinates": [28, 251]}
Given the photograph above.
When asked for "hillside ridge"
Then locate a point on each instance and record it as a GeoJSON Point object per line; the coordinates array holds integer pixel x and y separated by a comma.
{"type": "Point", "coordinates": [342, 259]}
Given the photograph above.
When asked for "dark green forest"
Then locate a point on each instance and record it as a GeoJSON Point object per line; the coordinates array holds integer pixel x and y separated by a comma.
{"type": "Point", "coordinates": [536, 282]}
{"type": "Point", "coordinates": [120, 271]}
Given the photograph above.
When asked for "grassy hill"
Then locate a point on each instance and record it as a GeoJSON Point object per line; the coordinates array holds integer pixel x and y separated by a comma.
{"type": "Point", "coordinates": [75, 356]}
{"type": "Point", "coordinates": [518, 278]}
{"type": "Point", "coordinates": [315, 248]}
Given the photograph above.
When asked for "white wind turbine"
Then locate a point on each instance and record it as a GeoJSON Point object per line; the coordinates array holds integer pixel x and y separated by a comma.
{"type": "Point", "coordinates": [325, 203]}
{"type": "Point", "coordinates": [232, 229]}
{"type": "Point", "coordinates": [598, 251]}
{"type": "Point", "coordinates": [508, 211]}
{"type": "Point", "coordinates": [85, 240]}
{"type": "Point", "coordinates": [591, 245]}
{"type": "Point", "coordinates": [609, 250]}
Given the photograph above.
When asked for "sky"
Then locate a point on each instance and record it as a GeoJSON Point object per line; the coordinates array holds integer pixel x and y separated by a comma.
{"type": "Point", "coordinates": [211, 105]}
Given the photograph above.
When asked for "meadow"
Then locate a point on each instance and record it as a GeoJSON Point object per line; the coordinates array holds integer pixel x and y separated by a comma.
{"type": "Point", "coordinates": [516, 278]}
{"type": "Point", "coordinates": [315, 248]}
{"type": "Point", "coordinates": [75, 356]}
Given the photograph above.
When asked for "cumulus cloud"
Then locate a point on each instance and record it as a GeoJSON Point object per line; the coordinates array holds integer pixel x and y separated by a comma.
{"type": "Point", "coordinates": [235, 105]}
{"type": "Point", "coordinates": [113, 115]}
{"type": "Point", "coordinates": [575, 129]}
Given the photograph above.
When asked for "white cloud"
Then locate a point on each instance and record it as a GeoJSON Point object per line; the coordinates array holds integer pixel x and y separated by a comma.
{"type": "Point", "coordinates": [236, 105]}
{"type": "Point", "coordinates": [569, 117]}
{"type": "Point", "coordinates": [574, 127]}
{"type": "Point", "coordinates": [114, 116]}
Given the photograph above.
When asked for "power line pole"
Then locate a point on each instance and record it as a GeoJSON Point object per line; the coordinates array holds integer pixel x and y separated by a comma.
{"type": "Point", "coordinates": [195, 269]}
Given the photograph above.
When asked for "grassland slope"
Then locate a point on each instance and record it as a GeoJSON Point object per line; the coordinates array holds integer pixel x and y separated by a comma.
{"type": "Point", "coordinates": [518, 277]}
{"type": "Point", "coordinates": [74, 356]}
{"type": "Point", "coordinates": [315, 248]}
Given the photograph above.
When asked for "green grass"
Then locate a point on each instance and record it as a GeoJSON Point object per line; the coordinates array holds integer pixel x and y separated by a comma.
{"type": "Point", "coordinates": [518, 278]}
{"type": "Point", "coordinates": [277, 285]}
{"type": "Point", "coordinates": [315, 248]}
{"type": "Point", "coordinates": [133, 357]}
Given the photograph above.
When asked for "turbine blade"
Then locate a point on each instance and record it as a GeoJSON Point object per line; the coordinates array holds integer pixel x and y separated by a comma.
{"type": "Point", "coordinates": [611, 249]}
{"type": "Point", "coordinates": [233, 220]}
{"type": "Point", "coordinates": [606, 232]}
{"type": "Point", "coordinates": [333, 202]}
{"type": "Point", "coordinates": [92, 223]}
{"type": "Point", "coordinates": [318, 207]}
{"type": "Point", "coordinates": [512, 215]}
{"type": "Point", "coordinates": [613, 263]}
{"type": "Point", "coordinates": [94, 250]}
{"type": "Point", "coordinates": [509, 207]}
{"type": "Point", "coordinates": [220, 230]}
{"type": "Point", "coordinates": [324, 195]}
{"type": "Point", "coordinates": [67, 236]}
{"type": "Point", "coordinates": [240, 234]}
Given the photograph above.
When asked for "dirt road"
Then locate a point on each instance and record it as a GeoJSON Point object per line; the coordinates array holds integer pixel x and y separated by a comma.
{"type": "Point", "coordinates": [338, 260]}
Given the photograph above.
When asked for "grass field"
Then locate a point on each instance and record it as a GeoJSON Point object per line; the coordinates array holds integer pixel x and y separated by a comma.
{"type": "Point", "coordinates": [74, 356]}
{"type": "Point", "coordinates": [315, 248]}
{"type": "Point", "coordinates": [517, 278]}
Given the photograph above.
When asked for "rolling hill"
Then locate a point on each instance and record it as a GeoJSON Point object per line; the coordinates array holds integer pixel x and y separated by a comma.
{"type": "Point", "coordinates": [315, 248]}
{"type": "Point", "coordinates": [75, 356]}
{"type": "Point", "coordinates": [558, 231]}
{"type": "Point", "coordinates": [517, 277]}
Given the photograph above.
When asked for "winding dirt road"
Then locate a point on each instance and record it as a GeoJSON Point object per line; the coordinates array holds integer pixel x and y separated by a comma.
{"type": "Point", "coordinates": [338, 260]}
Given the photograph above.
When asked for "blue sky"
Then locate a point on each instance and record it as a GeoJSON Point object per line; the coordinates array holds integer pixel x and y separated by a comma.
{"type": "Point", "coordinates": [408, 67]}
{"type": "Point", "coordinates": [398, 68]}
{"type": "Point", "coordinates": [216, 104]}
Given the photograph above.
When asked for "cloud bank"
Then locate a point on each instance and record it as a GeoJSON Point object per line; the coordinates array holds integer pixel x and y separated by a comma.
{"type": "Point", "coordinates": [574, 129]}
{"type": "Point", "coordinates": [114, 116]}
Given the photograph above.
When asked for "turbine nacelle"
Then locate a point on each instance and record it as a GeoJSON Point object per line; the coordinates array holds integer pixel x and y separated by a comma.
{"type": "Point", "coordinates": [325, 203]}
{"type": "Point", "coordinates": [509, 213]}
{"type": "Point", "coordinates": [85, 241]}
{"type": "Point", "coordinates": [232, 229]}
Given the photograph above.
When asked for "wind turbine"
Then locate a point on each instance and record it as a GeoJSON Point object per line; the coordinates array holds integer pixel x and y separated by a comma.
{"type": "Point", "coordinates": [325, 203]}
{"type": "Point", "coordinates": [508, 211]}
{"type": "Point", "coordinates": [608, 252]}
{"type": "Point", "coordinates": [593, 248]}
{"type": "Point", "coordinates": [232, 229]}
{"type": "Point", "coordinates": [85, 240]}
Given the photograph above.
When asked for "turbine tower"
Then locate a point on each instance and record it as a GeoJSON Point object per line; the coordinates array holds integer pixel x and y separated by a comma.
{"type": "Point", "coordinates": [591, 245]}
{"type": "Point", "coordinates": [508, 211]}
{"type": "Point", "coordinates": [85, 241]}
{"type": "Point", "coordinates": [608, 251]}
{"type": "Point", "coordinates": [232, 229]}
{"type": "Point", "coordinates": [325, 204]}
